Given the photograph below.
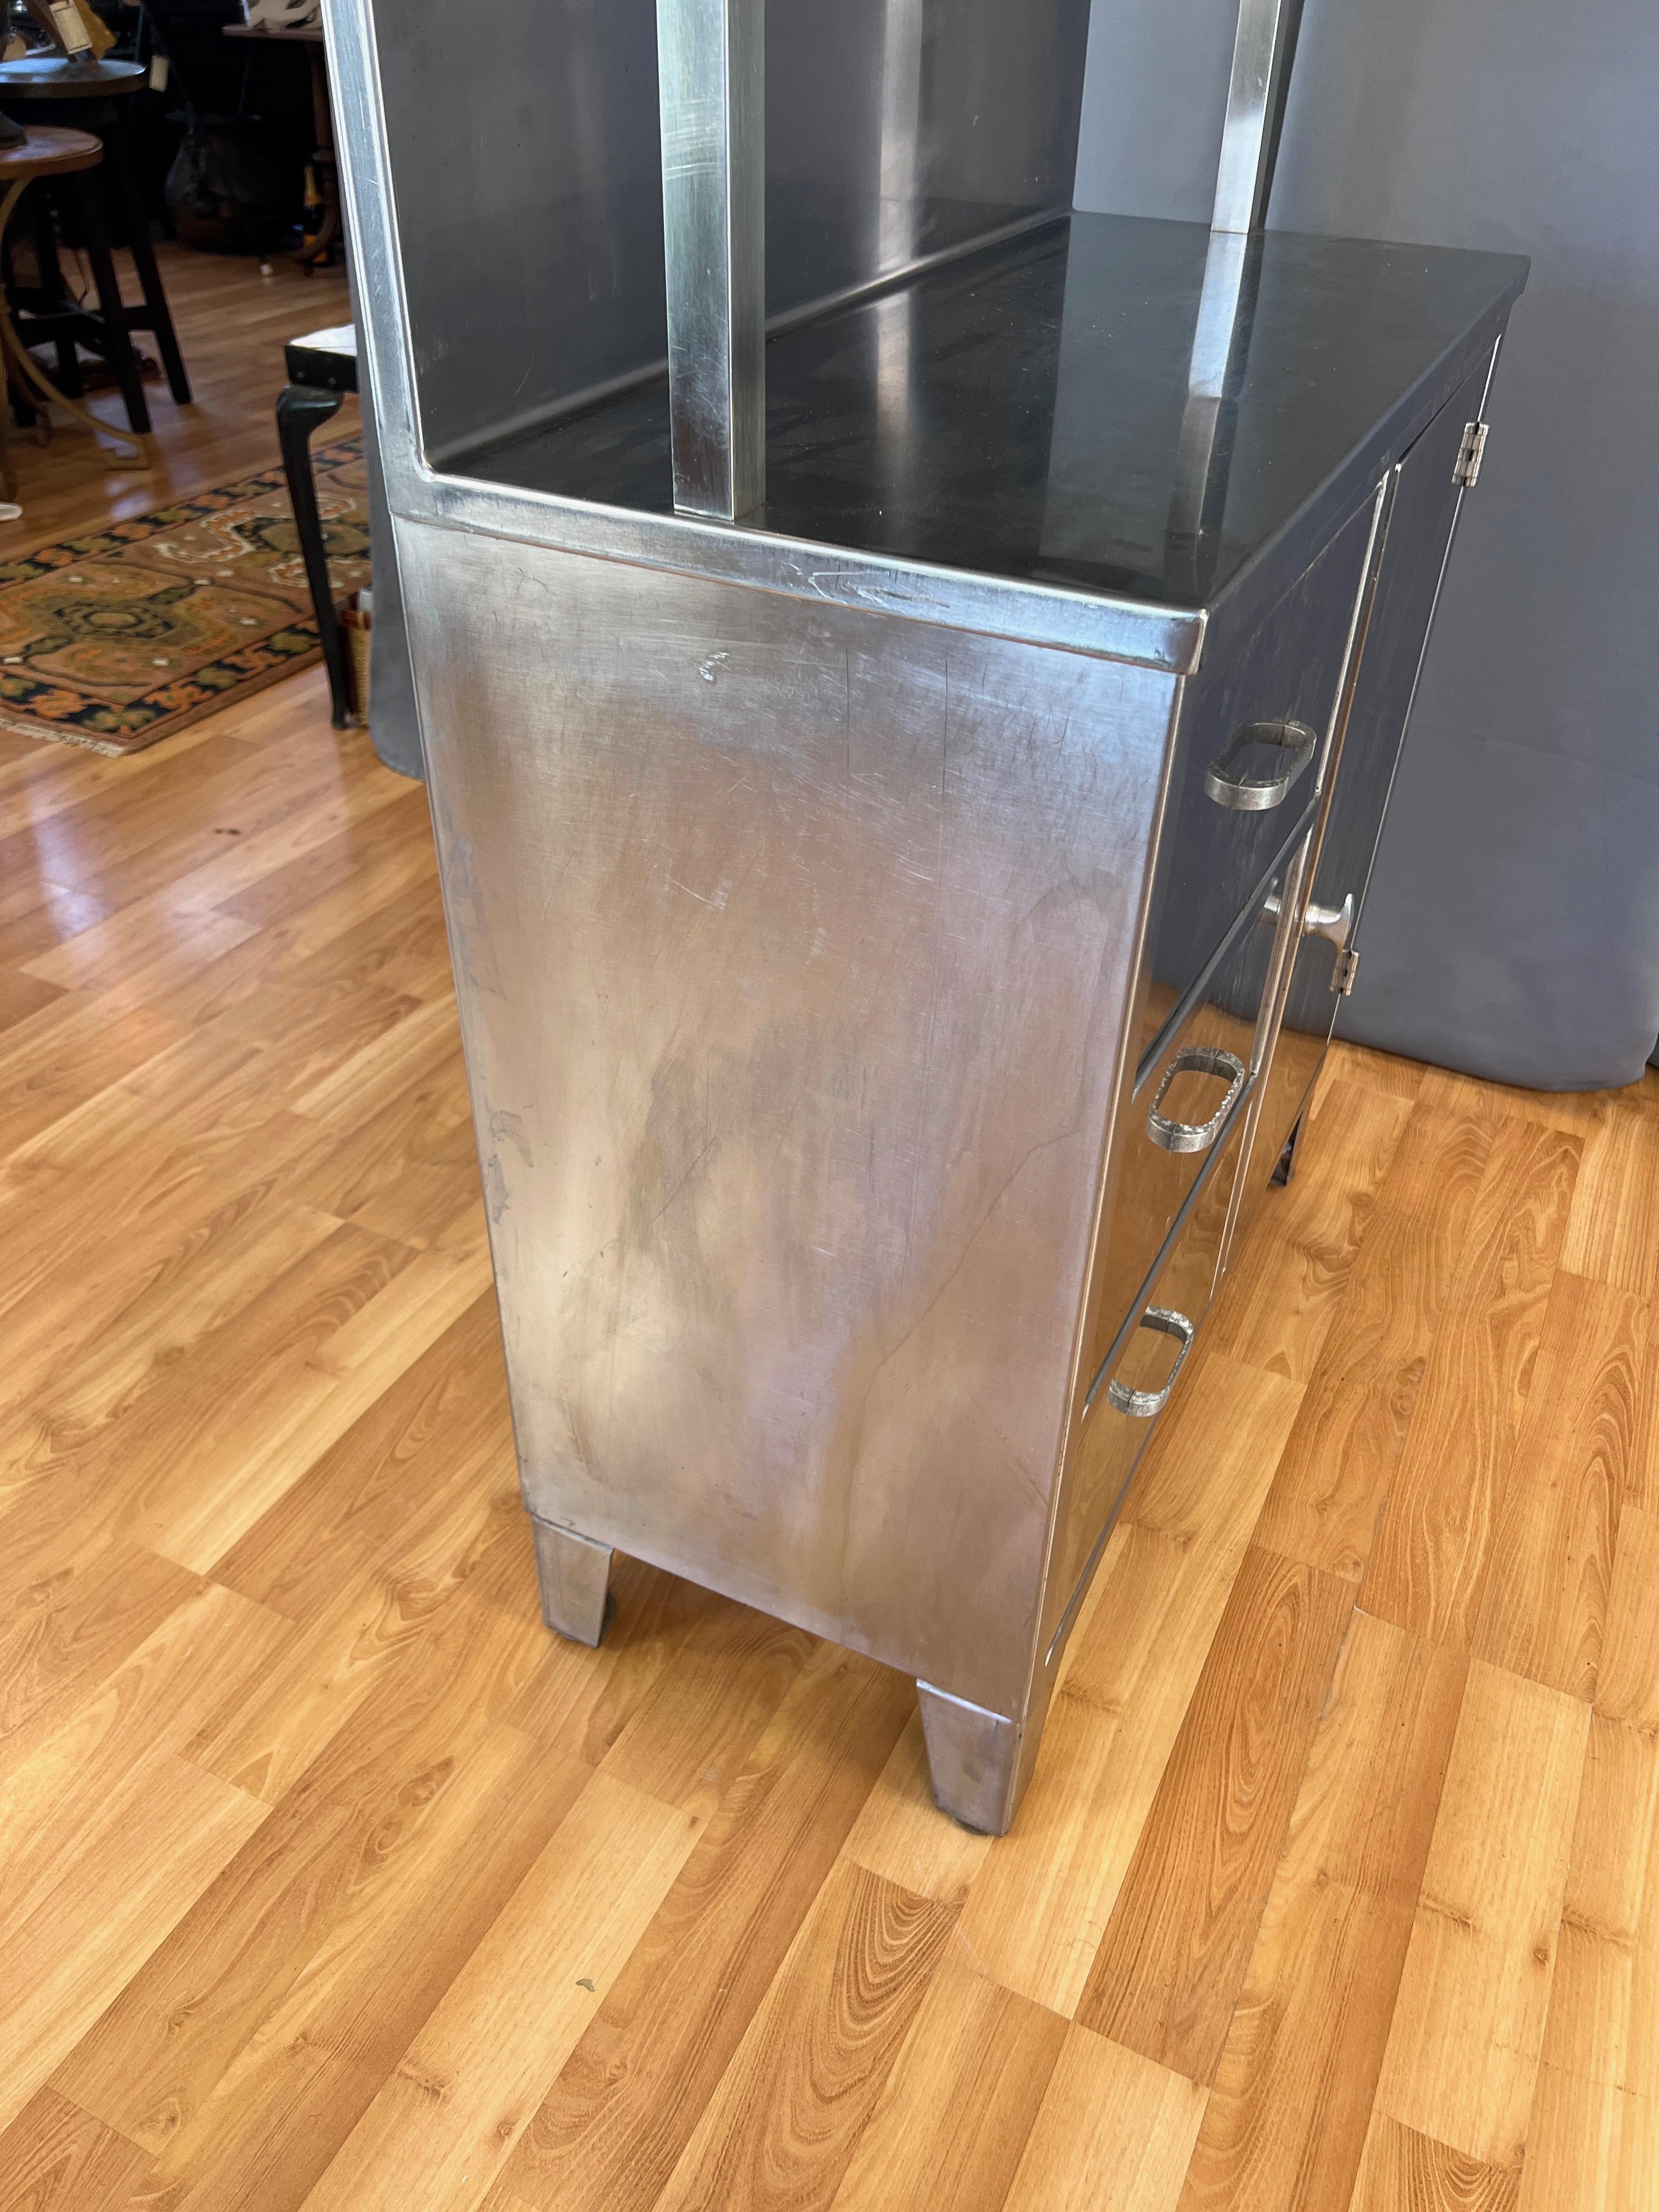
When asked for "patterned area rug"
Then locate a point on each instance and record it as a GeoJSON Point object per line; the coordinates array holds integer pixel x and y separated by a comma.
{"type": "Point", "coordinates": [119, 638]}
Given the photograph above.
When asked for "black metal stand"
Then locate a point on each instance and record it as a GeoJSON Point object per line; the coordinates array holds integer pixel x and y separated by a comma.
{"type": "Point", "coordinates": [301, 410]}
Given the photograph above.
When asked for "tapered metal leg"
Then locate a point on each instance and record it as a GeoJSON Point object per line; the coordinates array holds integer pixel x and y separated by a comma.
{"type": "Point", "coordinates": [575, 1576]}
{"type": "Point", "coordinates": [980, 1762]}
{"type": "Point", "coordinates": [301, 410]}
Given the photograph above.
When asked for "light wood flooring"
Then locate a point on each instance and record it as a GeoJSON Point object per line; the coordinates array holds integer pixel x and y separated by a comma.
{"type": "Point", "coordinates": [328, 1879]}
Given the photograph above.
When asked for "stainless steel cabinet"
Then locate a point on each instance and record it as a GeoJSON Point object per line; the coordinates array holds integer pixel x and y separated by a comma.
{"type": "Point", "coordinates": [896, 692]}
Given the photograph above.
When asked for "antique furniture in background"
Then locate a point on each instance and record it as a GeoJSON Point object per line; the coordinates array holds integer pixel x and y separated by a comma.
{"type": "Point", "coordinates": [96, 96]}
{"type": "Point", "coordinates": [48, 157]}
{"type": "Point", "coordinates": [320, 248]}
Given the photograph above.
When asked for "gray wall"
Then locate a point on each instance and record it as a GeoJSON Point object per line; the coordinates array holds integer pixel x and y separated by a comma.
{"type": "Point", "coordinates": [1513, 929]}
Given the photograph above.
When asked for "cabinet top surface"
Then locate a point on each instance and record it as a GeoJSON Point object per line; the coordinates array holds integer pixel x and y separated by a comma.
{"type": "Point", "coordinates": [1079, 408]}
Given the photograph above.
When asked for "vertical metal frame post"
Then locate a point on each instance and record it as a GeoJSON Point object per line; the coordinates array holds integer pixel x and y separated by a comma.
{"type": "Point", "coordinates": [711, 73]}
{"type": "Point", "coordinates": [1263, 52]}
{"type": "Point", "coordinates": [1264, 49]}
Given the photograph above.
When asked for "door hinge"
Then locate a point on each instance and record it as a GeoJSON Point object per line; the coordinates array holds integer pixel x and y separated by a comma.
{"type": "Point", "coordinates": [1343, 976]}
{"type": "Point", "coordinates": [1468, 471]}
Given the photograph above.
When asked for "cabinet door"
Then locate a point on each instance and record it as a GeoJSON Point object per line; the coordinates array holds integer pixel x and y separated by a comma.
{"type": "Point", "coordinates": [1426, 499]}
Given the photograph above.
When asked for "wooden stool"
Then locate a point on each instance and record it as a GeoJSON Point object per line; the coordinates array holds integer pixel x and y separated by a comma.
{"type": "Point", "coordinates": [51, 153]}
{"type": "Point", "coordinates": [83, 95]}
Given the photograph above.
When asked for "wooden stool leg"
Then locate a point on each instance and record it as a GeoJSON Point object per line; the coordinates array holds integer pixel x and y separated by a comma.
{"type": "Point", "coordinates": [122, 359]}
{"type": "Point", "coordinates": [143, 261]}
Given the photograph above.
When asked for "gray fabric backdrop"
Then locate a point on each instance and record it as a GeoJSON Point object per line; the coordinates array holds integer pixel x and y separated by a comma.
{"type": "Point", "coordinates": [1513, 925]}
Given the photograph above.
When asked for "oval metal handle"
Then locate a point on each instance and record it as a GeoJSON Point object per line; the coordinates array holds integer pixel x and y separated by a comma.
{"type": "Point", "coordinates": [1141, 1405]}
{"type": "Point", "coordinates": [1247, 795]}
{"type": "Point", "coordinates": [1196, 1136]}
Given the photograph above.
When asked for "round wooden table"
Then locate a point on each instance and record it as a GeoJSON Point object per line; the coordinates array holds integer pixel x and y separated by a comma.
{"type": "Point", "coordinates": [56, 77]}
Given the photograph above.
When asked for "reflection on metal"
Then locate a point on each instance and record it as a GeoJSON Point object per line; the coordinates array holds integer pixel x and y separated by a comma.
{"type": "Point", "coordinates": [1173, 1135]}
{"type": "Point", "coordinates": [1143, 1404]}
{"type": "Point", "coordinates": [1221, 346]}
{"type": "Point", "coordinates": [899, 130]}
{"type": "Point", "coordinates": [1217, 352]}
{"type": "Point", "coordinates": [711, 75]}
{"type": "Point", "coordinates": [903, 43]}
{"type": "Point", "coordinates": [1263, 52]}
{"type": "Point", "coordinates": [960, 160]}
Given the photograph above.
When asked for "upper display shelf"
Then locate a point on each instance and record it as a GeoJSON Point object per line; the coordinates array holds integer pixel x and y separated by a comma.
{"type": "Point", "coordinates": [711, 284]}
{"type": "Point", "coordinates": [1108, 403]}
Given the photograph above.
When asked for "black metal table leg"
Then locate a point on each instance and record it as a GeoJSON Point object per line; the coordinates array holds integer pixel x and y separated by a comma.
{"type": "Point", "coordinates": [301, 410]}
{"type": "Point", "coordinates": [118, 337]}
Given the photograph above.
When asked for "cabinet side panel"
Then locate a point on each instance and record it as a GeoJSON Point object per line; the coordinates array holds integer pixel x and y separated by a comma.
{"type": "Point", "coordinates": [792, 944]}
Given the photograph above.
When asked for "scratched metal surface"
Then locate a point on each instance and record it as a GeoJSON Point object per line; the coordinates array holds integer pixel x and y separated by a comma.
{"type": "Point", "coordinates": [794, 948]}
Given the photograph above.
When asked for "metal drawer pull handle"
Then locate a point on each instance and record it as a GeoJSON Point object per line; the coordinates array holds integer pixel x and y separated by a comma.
{"type": "Point", "coordinates": [1335, 925]}
{"type": "Point", "coordinates": [1256, 794]}
{"type": "Point", "coordinates": [1332, 922]}
{"type": "Point", "coordinates": [1196, 1136]}
{"type": "Point", "coordinates": [1141, 1405]}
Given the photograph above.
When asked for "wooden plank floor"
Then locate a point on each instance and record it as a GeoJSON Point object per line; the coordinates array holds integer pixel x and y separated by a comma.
{"type": "Point", "coordinates": [328, 1879]}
